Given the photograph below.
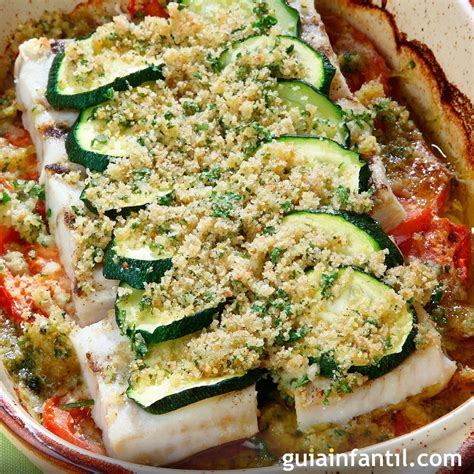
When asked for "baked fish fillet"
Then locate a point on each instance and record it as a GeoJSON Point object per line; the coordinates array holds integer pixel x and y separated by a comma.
{"type": "Point", "coordinates": [425, 368]}
{"type": "Point", "coordinates": [132, 434]}
{"type": "Point", "coordinates": [48, 129]}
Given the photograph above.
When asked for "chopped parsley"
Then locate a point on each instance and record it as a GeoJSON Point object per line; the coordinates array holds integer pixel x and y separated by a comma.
{"type": "Point", "coordinates": [299, 382]}
{"type": "Point", "coordinates": [200, 127]}
{"type": "Point", "coordinates": [264, 24]}
{"type": "Point", "coordinates": [223, 204]}
{"type": "Point", "coordinates": [275, 255]}
{"type": "Point", "coordinates": [286, 206]}
{"type": "Point", "coordinates": [292, 336]}
{"type": "Point", "coordinates": [343, 194]}
{"type": "Point", "coordinates": [167, 199]}
{"type": "Point", "coordinates": [190, 107]}
{"type": "Point", "coordinates": [5, 197]}
{"type": "Point", "coordinates": [211, 176]}
{"type": "Point", "coordinates": [327, 281]}
{"type": "Point", "coordinates": [269, 230]}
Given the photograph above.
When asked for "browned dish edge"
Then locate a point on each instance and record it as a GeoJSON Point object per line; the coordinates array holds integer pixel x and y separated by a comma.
{"type": "Point", "coordinates": [425, 87]}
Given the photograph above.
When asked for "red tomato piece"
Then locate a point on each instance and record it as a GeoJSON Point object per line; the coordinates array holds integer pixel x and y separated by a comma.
{"type": "Point", "coordinates": [13, 308]}
{"type": "Point", "coordinates": [42, 255]}
{"type": "Point", "coordinates": [401, 425]}
{"type": "Point", "coordinates": [13, 299]}
{"type": "Point", "coordinates": [153, 8]}
{"type": "Point", "coordinates": [11, 305]}
{"type": "Point", "coordinates": [359, 59]}
{"type": "Point", "coordinates": [40, 209]}
{"type": "Point", "coordinates": [19, 137]}
{"type": "Point", "coordinates": [69, 424]}
{"type": "Point", "coordinates": [446, 244]}
{"type": "Point", "coordinates": [150, 8]}
{"type": "Point", "coordinates": [420, 211]}
{"type": "Point", "coordinates": [8, 236]}
{"type": "Point", "coordinates": [131, 8]}
{"type": "Point", "coordinates": [30, 170]}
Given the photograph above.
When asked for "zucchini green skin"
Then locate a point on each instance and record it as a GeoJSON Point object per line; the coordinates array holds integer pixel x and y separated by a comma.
{"type": "Point", "coordinates": [329, 367]}
{"type": "Point", "coordinates": [279, 6]}
{"type": "Point", "coordinates": [133, 271]}
{"type": "Point", "coordinates": [394, 257]}
{"type": "Point", "coordinates": [193, 395]}
{"type": "Point", "coordinates": [89, 159]}
{"type": "Point", "coordinates": [95, 96]}
{"type": "Point", "coordinates": [364, 178]}
{"type": "Point", "coordinates": [292, 12]}
{"type": "Point", "coordinates": [116, 212]}
{"type": "Point", "coordinates": [174, 330]}
{"type": "Point", "coordinates": [326, 107]}
{"type": "Point", "coordinates": [364, 171]}
{"type": "Point", "coordinates": [183, 326]}
{"type": "Point", "coordinates": [326, 69]}
{"type": "Point", "coordinates": [329, 73]}
{"type": "Point", "coordinates": [370, 226]}
{"type": "Point", "coordinates": [389, 362]}
{"type": "Point", "coordinates": [111, 213]}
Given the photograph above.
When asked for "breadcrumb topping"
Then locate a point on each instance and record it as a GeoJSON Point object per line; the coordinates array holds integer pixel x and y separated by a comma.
{"type": "Point", "coordinates": [196, 150]}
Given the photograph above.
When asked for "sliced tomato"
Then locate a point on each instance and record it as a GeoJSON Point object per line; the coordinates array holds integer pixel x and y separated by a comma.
{"type": "Point", "coordinates": [418, 179]}
{"type": "Point", "coordinates": [401, 425]}
{"type": "Point", "coordinates": [131, 8]}
{"type": "Point", "coordinates": [8, 236]}
{"type": "Point", "coordinates": [153, 8]}
{"type": "Point", "coordinates": [359, 59]}
{"type": "Point", "coordinates": [41, 256]}
{"type": "Point", "coordinates": [150, 8]}
{"type": "Point", "coordinates": [14, 298]}
{"type": "Point", "coordinates": [13, 308]}
{"type": "Point", "coordinates": [16, 290]}
{"type": "Point", "coordinates": [73, 425]}
{"type": "Point", "coordinates": [28, 165]}
{"type": "Point", "coordinates": [19, 137]}
{"type": "Point", "coordinates": [421, 209]}
{"type": "Point", "coordinates": [30, 169]}
{"type": "Point", "coordinates": [446, 244]}
{"type": "Point", "coordinates": [40, 209]}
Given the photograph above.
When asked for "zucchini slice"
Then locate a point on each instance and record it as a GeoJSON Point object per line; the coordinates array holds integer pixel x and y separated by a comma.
{"type": "Point", "coordinates": [135, 316]}
{"type": "Point", "coordinates": [124, 206]}
{"type": "Point", "coordinates": [364, 295]}
{"type": "Point", "coordinates": [65, 92]}
{"type": "Point", "coordinates": [362, 235]}
{"type": "Point", "coordinates": [318, 70]}
{"type": "Point", "coordinates": [171, 392]}
{"type": "Point", "coordinates": [123, 260]}
{"type": "Point", "coordinates": [287, 17]}
{"type": "Point", "coordinates": [330, 120]}
{"type": "Point", "coordinates": [88, 147]}
{"type": "Point", "coordinates": [345, 162]}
